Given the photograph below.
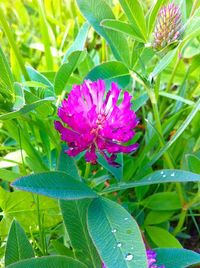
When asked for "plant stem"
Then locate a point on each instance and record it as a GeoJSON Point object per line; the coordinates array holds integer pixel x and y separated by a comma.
{"type": "Point", "coordinates": [12, 42]}
{"type": "Point", "coordinates": [183, 214]}
{"type": "Point", "coordinates": [173, 73]}
{"type": "Point", "coordinates": [180, 222]}
{"type": "Point", "coordinates": [87, 170]}
{"type": "Point", "coordinates": [42, 238]}
{"type": "Point", "coordinates": [194, 7]}
{"type": "Point", "coordinates": [104, 56]}
{"type": "Point", "coordinates": [167, 157]}
{"type": "Point", "coordinates": [166, 154]}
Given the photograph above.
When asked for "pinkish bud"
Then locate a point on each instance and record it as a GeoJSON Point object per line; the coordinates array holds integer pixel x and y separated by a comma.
{"type": "Point", "coordinates": [168, 27]}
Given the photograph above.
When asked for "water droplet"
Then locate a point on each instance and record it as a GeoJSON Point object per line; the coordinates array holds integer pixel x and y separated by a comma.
{"type": "Point", "coordinates": [125, 219]}
{"type": "Point", "coordinates": [162, 172]}
{"type": "Point", "coordinates": [114, 231]}
{"type": "Point", "coordinates": [164, 176]}
{"type": "Point", "coordinates": [129, 257]}
{"type": "Point", "coordinates": [119, 244]}
{"type": "Point", "coordinates": [114, 247]}
{"type": "Point", "coordinates": [173, 174]}
{"type": "Point", "coordinates": [132, 247]}
{"type": "Point", "coordinates": [128, 231]}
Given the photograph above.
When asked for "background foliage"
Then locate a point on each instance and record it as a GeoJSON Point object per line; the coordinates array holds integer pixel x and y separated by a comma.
{"type": "Point", "coordinates": [46, 47]}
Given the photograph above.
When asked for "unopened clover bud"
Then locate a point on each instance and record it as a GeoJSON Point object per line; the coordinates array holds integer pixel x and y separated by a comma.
{"type": "Point", "coordinates": [168, 26]}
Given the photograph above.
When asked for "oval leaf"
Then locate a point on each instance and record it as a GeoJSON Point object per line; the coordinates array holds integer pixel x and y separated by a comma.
{"type": "Point", "coordinates": [95, 12]}
{"type": "Point", "coordinates": [135, 14]}
{"type": "Point", "coordinates": [6, 75]}
{"type": "Point", "coordinates": [66, 70]}
{"type": "Point", "coordinates": [49, 262]}
{"type": "Point", "coordinates": [25, 109]}
{"type": "Point", "coordinates": [162, 238]}
{"type": "Point", "coordinates": [54, 184]}
{"type": "Point", "coordinates": [177, 258]}
{"type": "Point", "coordinates": [79, 42]}
{"type": "Point", "coordinates": [112, 71]}
{"type": "Point", "coordinates": [123, 27]}
{"type": "Point", "coordinates": [67, 164]}
{"type": "Point", "coordinates": [84, 249]}
{"type": "Point", "coordinates": [163, 63]}
{"type": "Point", "coordinates": [118, 239]}
{"type": "Point", "coordinates": [18, 247]}
{"type": "Point", "coordinates": [159, 176]}
{"type": "Point", "coordinates": [38, 77]}
{"type": "Point", "coordinates": [169, 201]}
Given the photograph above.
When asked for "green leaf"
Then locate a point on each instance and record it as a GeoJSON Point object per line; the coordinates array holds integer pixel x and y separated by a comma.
{"type": "Point", "coordinates": [61, 249]}
{"type": "Point", "coordinates": [38, 77]}
{"type": "Point", "coordinates": [177, 258]}
{"type": "Point", "coordinates": [34, 84]}
{"type": "Point", "coordinates": [44, 30]}
{"type": "Point", "coordinates": [116, 235]}
{"type": "Point", "coordinates": [8, 175]}
{"type": "Point", "coordinates": [116, 171]}
{"type": "Point", "coordinates": [162, 201]}
{"type": "Point", "coordinates": [152, 17]}
{"type": "Point", "coordinates": [19, 97]}
{"type": "Point", "coordinates": [139, 102]}
{"type": "Point", "coordinates": [159, 176]}
{"type": "Point", "coordinates": [97, 10]}
{"type": "Point", "coordinates": [77, 230]}
{"type": "Point", "coordinates": [162, 238]}
{"type": "Point", "coordinates": [79, 42]}
{"type": "Point", "coordinates": [163, 63]}
{"type": "Point", "coordinates": [5, 73]}
{"type": "Point", "coordinates": [45, 110]}
{"type": "Point", "coordinates": [67, 164]}
{"type": "Point", "coordinates": [18, 247]}
{"type": "Point", "coordinates": [49, 262]}
{"type": "Point", "coordinates": [124, 28]}
{"type": "Point", "coordinates": [178, 133]}
{"type": "Point", "coordinates": [156, 217]}
{"type": "Point", "coordinates": [192, 27]}
{"type": "Point", "coordinates": [25, 109]}
{"type": "Point", "coordinates": [112, 71]}
{"type": "Point", "coordinates": [176, 97]}
{"type": "Point", "coordinates": [66, 70]}
{"type": "Point", "coordinates": [193, 163]}
{"type": "Point", "coordinates": [54, 184]}
{"type": "Point", "coordinates": [135, 15]}
{"type": "Point", "coordinates": [23, 138]}
{"type": "Point", "coordinates": [22, 207]}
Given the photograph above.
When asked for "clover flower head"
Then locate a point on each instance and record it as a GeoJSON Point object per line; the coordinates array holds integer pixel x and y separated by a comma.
{"type": "Point", "coordinates": [168, 27]}
{"type": "Point", "coordinates": [97, 122]}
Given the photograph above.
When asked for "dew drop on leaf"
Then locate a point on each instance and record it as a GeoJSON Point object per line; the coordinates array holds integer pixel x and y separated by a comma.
{"type": "Point", "coordinates": [119, 244]}
{"type": "Point", "coordinates": [114, 231]}
{"type": "Point", "coordinates": [129, 257]}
